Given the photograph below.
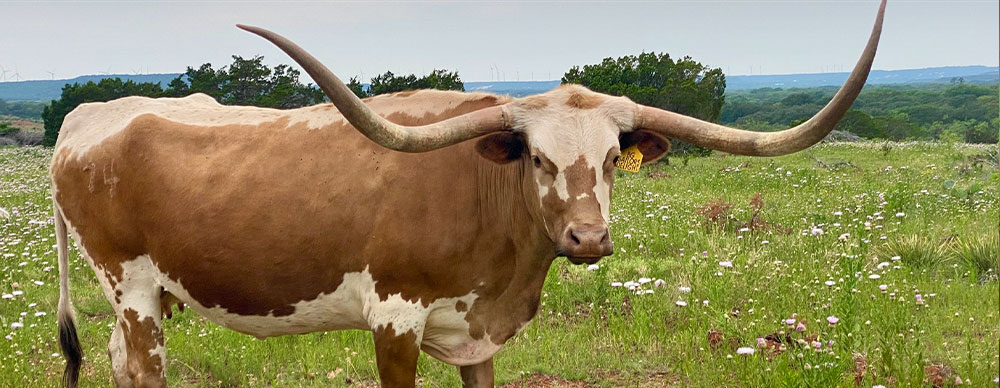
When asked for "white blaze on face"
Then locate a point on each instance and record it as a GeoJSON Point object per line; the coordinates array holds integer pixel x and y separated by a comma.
{"type": "Point", "coordinates": [562, 134]}
{"type": "Point", "coordinates": [603, 194]}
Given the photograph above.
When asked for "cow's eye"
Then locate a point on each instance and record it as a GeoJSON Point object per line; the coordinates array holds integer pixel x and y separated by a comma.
{"type": "Point", "coordinates": [537, 161]}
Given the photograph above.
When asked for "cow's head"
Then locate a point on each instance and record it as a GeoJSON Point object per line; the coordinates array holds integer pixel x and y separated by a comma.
{"type": "Point", "coordinates": [568, 141]}
{"type": "Point", "coordinates": [569, 138]}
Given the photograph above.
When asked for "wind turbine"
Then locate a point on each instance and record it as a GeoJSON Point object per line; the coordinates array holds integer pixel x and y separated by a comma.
{"type": "Point", "coordinates": [52, 73]}
{"type": "Point", "coordinates": [3, 73]}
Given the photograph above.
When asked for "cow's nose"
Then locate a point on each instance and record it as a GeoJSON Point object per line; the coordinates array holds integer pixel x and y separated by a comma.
{"type": "Point", "coordinates": [587, 241]}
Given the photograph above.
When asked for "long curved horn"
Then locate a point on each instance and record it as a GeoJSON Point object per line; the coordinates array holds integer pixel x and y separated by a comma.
{"type": "Point", "coordinates": [378, 129]}
{"type": "Point", "coordinates": [738, 141]}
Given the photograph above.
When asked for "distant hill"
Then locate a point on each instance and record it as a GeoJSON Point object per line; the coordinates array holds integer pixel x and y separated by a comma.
{"type": "Point", "coordinates": [970, 74]}
{"type": "Point", "coordinates": [973, 74]}
{"type": "Point", "coordinates": [45, 90]}
{"type": "Point", "coordinates": [49, 90]}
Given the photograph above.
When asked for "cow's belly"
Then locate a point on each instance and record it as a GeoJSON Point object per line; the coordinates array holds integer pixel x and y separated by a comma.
{"type": "Point", "coordinates": [455, 346]}
{"type": "Point", "coordinates": [355, 304]}
{"type": "Point", "coordinates": [442, 327]}
{"type": "Point", "coordinates": [340, 310]}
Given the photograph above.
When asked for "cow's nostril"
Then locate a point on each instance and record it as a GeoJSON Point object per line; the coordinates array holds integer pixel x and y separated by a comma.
{"type": "Point", "coordinates": [573, 238]}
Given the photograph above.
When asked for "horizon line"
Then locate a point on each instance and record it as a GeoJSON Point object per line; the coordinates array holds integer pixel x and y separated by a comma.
{"type": "Point", "coordinates": [543, 80]}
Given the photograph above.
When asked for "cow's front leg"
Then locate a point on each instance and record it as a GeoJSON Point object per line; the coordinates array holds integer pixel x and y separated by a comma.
{"type": "Point", "coordinates": [477, 376]}
{"type": "Point", "coordinates": [396, 357]}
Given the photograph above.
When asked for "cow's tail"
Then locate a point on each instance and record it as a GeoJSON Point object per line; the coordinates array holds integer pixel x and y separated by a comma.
{"type": "Point", "coordinates": [68, 340]}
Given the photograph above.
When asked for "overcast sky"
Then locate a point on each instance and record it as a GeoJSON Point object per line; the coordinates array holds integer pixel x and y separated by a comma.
{"type": "Point", "coordinates": [524, 40]}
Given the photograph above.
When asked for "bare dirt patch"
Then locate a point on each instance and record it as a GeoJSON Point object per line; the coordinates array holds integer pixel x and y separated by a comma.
{"type": "Point", "coordinates": [650, 379]}
{"type": "Point", "coordinates": [538, 380]}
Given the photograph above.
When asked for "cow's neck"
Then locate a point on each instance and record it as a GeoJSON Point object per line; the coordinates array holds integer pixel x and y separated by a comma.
{"type": "Point", "coordinates": [505, 202]}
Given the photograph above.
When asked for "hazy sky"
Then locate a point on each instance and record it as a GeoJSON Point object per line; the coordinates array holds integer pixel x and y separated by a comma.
{"type": "Point", "coordinates": [524, 40]}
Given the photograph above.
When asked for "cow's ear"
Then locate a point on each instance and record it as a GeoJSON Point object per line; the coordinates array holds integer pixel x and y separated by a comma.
{"type": "Point", "coordinates": [650, 144]}
{"type": "Point", "coordinates": [503, 147]}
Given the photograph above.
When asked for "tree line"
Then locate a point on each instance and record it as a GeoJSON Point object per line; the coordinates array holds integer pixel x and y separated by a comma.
{"type": "Point", "coordinates": [25, 109]}
{"type": "Point", "coordinates": [246, 81]}
{"type": "Point", "coordinates": [951, 112]}
{"type": "Point", "coordinates": [956, 112]}
{"type": "Point", "coordinates": [390, 83]}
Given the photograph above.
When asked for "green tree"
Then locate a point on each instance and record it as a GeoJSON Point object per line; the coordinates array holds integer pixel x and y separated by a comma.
{"type": "Point", "coordinates": [356, 87]}
{"type": "Point", "coordinates": [983, 132]}
{"type": "Point", "coordinates": [442, 80]}
{"type": "Point", "coordinates": [683, 86]}
{"type": "Point", "coordinates": [897, 126]}
{"type": "Point", "coordinates": [248, 82]}
{"type": "Point", "coordinates": [861, 124]}
{"type": "Point", "coordinates": [391, 83]}
{"type": "Point", "coordinates": [800, 99]}
{"type": "Point", "coordinates": [73, 95]}
{"type": "Point", "coordinates": [751, 124]}
{"type": "Point", "coordinates": [24, 109]}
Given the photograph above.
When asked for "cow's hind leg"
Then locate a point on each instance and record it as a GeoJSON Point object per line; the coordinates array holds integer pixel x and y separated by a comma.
{"type": "Point", "coordinates": [136, 347]}
{"type": "Point", "coordinates": [145, 357]}
{"type": "Point", "coordinates": [117, 353]}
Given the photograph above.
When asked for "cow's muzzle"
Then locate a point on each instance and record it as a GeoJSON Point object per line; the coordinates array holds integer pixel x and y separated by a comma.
{"type": "Point", "coordinates": [586, 243]}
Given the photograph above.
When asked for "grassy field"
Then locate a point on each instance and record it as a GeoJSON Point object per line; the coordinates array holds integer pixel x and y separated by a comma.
{"type": "Point", "coordinates": [719, 253]}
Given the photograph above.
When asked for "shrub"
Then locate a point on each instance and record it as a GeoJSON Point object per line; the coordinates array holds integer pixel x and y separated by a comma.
{"type": "Point", "coordinates": [916, 252]}
{"type": "Point", "coordinates": [979, 255]}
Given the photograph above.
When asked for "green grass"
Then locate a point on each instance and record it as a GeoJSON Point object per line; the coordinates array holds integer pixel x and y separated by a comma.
{"type": "Point", "coordinates": [867, 201]}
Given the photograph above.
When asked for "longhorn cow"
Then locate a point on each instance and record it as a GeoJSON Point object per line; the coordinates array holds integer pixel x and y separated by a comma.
{"type": "Point", "coordinates": [275, 222]}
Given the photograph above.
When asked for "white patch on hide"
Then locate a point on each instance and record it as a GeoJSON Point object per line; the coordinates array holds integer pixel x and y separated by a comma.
{"type": "Point", "coordinates": [603, 194]}
{"type": "Point", "coordinates": [562, 190]}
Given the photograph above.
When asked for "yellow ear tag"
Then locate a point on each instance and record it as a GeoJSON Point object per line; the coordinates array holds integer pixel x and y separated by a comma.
{"type": "Point", "coordinates": [630, 159]}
